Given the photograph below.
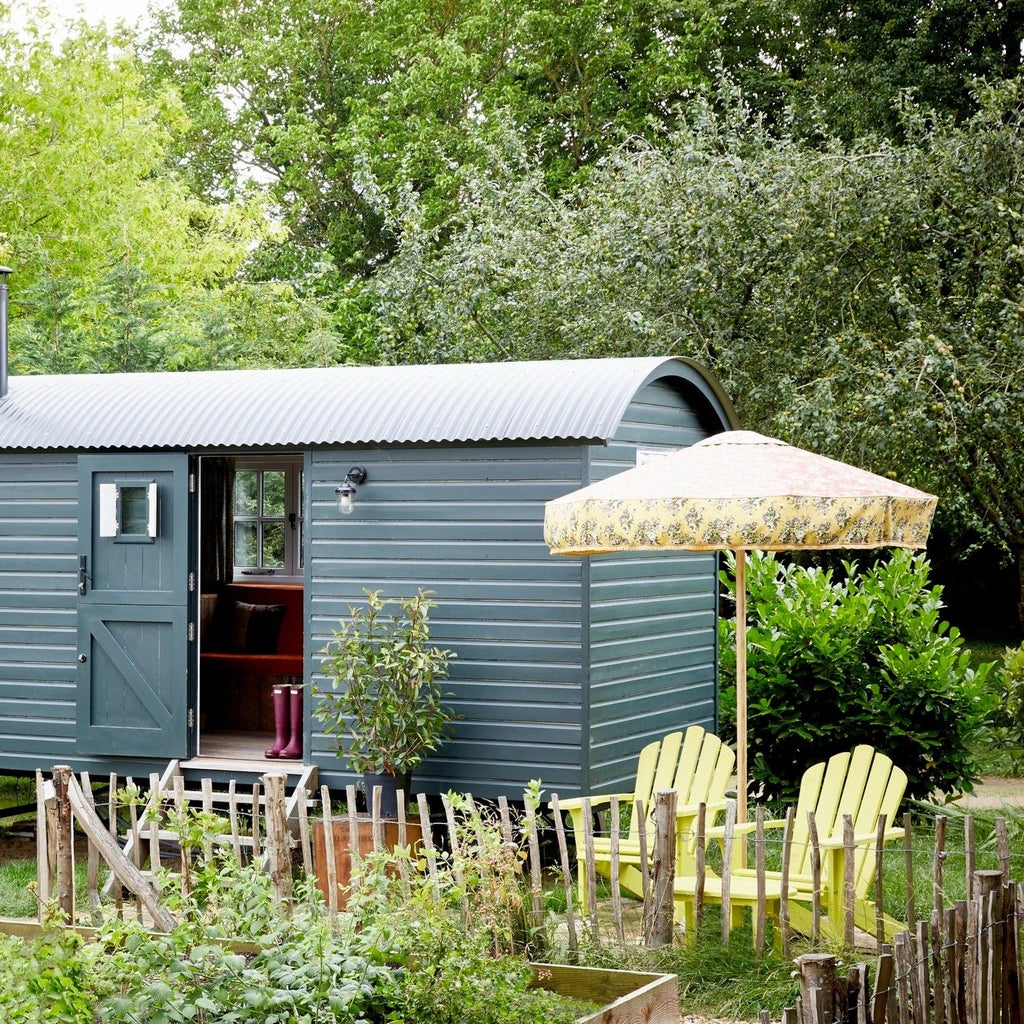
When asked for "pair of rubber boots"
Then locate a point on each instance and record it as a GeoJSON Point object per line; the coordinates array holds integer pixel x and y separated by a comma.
{"type": "Point", "coordinates": [287, 701]}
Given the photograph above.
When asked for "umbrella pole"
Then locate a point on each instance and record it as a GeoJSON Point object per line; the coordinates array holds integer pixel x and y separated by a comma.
{"type": "Point", "coordinates": [741, 685]}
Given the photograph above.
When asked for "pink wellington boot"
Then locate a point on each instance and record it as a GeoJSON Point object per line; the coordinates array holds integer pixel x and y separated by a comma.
{"type": "Point", "coordinates": [279, 697]}
{"type": "Point", "coordinates": [294, 748]}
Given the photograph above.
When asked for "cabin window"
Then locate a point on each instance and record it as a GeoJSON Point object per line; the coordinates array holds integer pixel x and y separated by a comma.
{"type": "Point", "coordinates": [268, 517]}
{"type": "Point", "coordinates": [128, 510]}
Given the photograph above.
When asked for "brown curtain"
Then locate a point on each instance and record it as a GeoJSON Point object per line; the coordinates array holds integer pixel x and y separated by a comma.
{"type": "Point", "coordinates": [217, 532]}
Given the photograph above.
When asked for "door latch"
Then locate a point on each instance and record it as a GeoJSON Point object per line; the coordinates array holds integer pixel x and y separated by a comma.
{"type": "Point", "coordinates": [83, 575]}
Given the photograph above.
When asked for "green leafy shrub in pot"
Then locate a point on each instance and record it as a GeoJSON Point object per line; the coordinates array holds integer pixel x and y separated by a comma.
{"type": "Point", "coordinates": [832, 663]}
{"type": "Point", "coordinates": [385, 708]}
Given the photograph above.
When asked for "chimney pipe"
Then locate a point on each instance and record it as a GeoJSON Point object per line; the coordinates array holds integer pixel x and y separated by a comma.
{"type": "Point", "coordinates": [4, 271]}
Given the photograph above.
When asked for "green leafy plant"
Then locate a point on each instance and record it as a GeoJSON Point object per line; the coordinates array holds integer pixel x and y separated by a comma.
{"type": "Point", "coordinates": [386, 706]}
{"type": "Point", "coordinates": [1009, 714]}
{"type": "Point", "coordinates": [833, 663]}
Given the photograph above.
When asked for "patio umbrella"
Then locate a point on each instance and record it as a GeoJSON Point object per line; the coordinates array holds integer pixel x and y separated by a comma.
{"type": "Point", "coordinates": [735, 491]}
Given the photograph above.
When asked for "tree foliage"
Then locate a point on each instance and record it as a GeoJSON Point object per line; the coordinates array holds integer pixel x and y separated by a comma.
{"type": "Point", "coordinates": [825, 67]}
{"type": "Point", "coordinates": [341, 105]}
{"type": "Point", "coordinates": [118, 264]}
{"type": "Point", "coordinates": [862, 300]}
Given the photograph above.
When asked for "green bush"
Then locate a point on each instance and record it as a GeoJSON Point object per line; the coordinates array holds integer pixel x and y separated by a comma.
{"type": "Point", "coordinates": [1011, 704]}
{"type": "Point", "coordinates": [867, 659]}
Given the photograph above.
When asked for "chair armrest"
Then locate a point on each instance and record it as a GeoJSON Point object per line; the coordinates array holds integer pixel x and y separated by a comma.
{"type": "Point", "coordinates": [744, 828]}
{"type": "Point", "coordinates": [861, 839]}
{"type": "Point", "coordinates": [576, 802]}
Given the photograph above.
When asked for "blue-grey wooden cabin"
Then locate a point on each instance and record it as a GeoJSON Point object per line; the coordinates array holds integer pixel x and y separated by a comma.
{"type": "Point", "coordinates": [565, 667]}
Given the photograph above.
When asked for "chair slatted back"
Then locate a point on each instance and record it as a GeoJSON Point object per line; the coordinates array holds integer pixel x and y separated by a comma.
{"type": "Point", "coordinates": [695, 763]}
{"type": "Point", "coordinates": [862, 783]}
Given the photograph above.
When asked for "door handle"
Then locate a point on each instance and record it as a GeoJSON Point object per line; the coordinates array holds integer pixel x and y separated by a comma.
{"type": "Point", "coordinates": [83, 658]}
{"type": "Point", "coordinates": [83, 575]}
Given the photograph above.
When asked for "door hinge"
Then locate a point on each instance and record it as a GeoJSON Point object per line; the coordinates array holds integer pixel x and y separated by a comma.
{"type": "Point", "coordinates": [191, 632]}
{"type": "Point", "coordinates": [191, 483]}
{"type": "Point", "coordinates": [191, 718]}
{"type": "Point", "coordinates": [191, 582]}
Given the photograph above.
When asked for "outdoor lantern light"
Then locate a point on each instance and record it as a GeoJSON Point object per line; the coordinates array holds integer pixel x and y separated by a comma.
{"type": "Point", "coordinates": [347, 491]}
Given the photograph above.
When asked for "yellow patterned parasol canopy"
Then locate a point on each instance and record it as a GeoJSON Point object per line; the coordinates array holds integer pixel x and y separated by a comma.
{"type": "Point", "coordinates": [735, 491]}
{"type": "Point", "coordinates": [739, 490]}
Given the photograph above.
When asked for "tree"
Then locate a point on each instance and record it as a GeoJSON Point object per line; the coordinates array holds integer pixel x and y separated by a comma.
{"type": "Point", "coordinates": [339, 106]}
{"type": "Point", "coordinates": [102, 233]}
{"type": "Point", "coordinates": [836, 67]}
{"type": "Point", "coordinates": [860, 300]}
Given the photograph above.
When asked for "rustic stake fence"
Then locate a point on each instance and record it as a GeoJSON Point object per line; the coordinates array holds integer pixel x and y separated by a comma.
{"type": "Point", "coordinates": [959, 964]}
{"type": "Point", "coordinates": [961, 967]}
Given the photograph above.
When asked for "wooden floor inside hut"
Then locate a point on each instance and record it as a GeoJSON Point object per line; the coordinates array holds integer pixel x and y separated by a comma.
{"type": "Point", "coordinates": [241, 747]}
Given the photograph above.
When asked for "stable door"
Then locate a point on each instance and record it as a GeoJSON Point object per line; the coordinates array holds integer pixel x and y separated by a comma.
{"type": "Point", "coordinates": [134, 677]}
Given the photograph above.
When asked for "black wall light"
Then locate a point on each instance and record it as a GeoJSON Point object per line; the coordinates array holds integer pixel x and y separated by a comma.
{"type": "Point", "coordinates": [346, 493]}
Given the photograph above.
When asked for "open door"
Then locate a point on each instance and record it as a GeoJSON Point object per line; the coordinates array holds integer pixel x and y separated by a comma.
{"type": "Point", "coordinates": [134, 648]}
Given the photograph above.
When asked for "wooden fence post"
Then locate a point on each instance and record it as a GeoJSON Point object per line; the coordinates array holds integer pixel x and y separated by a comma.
{"type": "Point", "coordinates": [658, 924]}
{"type": "Point", "coordinates": [908, 863]}
{"type": "Point", "coordinates": [279, 840]}
{"type": "Point", "coordinates": [567, 879]}
{"type": "Point", "coordinates": [44, 866]}
{"type": "Point", "coordinates": [727, 857]}
{"type": "Point", "coordinates": [817, 973]}
{"type": "Point", "coordinates": [65, 844]}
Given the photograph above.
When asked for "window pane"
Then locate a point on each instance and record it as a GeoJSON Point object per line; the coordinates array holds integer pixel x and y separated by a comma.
{"type": "Point", "coordinates": [245, 544]}
{"type": "Point", "coordinates": [247, 483]}
{"type": "Point", "coordinates": [273, 495]}
{"type": "Point", "coordinates": [273, 545]}
{"type": "Point", "coordinates": [135, 511]}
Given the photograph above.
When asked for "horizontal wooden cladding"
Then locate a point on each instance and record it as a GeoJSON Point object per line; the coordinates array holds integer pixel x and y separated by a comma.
{"type": "Point", "coordinates": [674, 679]}
{"type": "Point", "coordinates": [694, 571]}
{"type": "Point", "coordinates": [445, 588]}
{"type": "Point", "coordinates": [530, 707]}
{"type": "Point", "coordinates": [646, 650]}
{"type": "Point", "coordinates": [24, 735]}
{"type": "Point", "coordinates": [416, 549]}
{"type": "Point", "coordinates": [30, 565]}
{"type": "Point", "coordinates": [435, 575]}
{"type": "Point", "coordinates": [19, 651]}
{"type": "Point", "coordinates": [38, 634]}
{"type": "Point", "coordinates": [488, 779]}
{"type": "Point", "coordinates": [61, 690]}
{"type": "Point", "coordinates": [450, 464]}
{"type": "Point", "coordinates": [362, 531]}
{"type": "Point", "coordinates": [487, 618]}
{"type": "Point", "coordinates": [32, 467]}
{"type": "Point", "coordinates": [53, 532]}
{"type": "Point", "coordinates": [664, 710]}
{"type": "Point", "coordinates": [648, 665]}
{"type": "Point", "coordinates": [49, 671]}
{"type": "Point", "coordinates": [24, 709]}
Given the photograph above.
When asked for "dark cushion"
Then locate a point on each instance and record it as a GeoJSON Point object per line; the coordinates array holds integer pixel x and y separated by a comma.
{"type": "Point", "coordinates": [207, 617]}
{"type": "Point", "coordinates": [254, 627]}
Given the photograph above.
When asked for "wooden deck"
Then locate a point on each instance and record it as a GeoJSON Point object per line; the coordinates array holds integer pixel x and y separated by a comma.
{"type": "Point", "coordinates": [239, 751]}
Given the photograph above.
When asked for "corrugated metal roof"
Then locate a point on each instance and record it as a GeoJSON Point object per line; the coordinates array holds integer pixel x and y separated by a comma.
{"type": "Point", "coordinates": [352, 405]}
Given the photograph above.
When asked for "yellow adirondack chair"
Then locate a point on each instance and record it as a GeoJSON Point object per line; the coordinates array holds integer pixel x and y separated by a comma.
{"type": "Point", "coordinates": [696, 764]}
{"type": "Point", "coordinates": [862, 783]}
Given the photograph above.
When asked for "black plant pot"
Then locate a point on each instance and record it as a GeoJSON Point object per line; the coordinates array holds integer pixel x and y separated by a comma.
{"type": "Point", "coordinates": [389, 786]}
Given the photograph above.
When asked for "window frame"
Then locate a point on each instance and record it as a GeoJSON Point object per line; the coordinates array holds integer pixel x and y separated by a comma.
{"type": "Point", "coordinates": [292, 466]}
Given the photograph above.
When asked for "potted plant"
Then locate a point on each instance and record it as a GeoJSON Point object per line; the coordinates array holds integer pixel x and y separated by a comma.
{"type": "Point", "coordinates": [385, 708]}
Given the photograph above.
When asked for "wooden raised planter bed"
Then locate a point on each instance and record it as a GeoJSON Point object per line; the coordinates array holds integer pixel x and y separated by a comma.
{"type": "Point", "coordinates": [627, 997]}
